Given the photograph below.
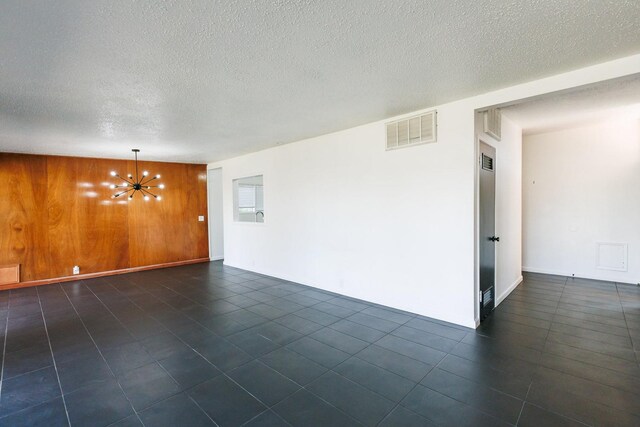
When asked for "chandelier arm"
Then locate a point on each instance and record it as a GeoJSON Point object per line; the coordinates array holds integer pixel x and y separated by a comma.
{"type": "Point", "coordinates": [149, 180]}
{"type": "Point", "coordinates": [122, 193]}
{"type": "Point", "coordinates": [149, 192]}
{"type": "Point", "coordinates": [124, 179]}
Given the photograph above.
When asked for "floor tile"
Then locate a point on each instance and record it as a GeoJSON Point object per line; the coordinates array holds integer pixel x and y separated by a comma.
{"type": "Point", "coordinates": [320, 353]}
{"type": "Point", "coordinates": [147, 385]}
{"type": "Point", "coordinates": [446, 411]}
{"type": "Point", "coordinates": [264, 383]}
{"type": "Point", "coordinates": [307, 410]}
{"type": "Point", "coordinates": [177, 410]}
{"type": "Point", "coordinates": [299, 324]}
{"type": "Point", "coordinates": [127, 357]}
{"type": "Point", "coordinates": [317, 316]}
{"type": "Point", "coordinates": [189, 369]}
{"type": "Point", "coordinates": [411, 349]}
{"type": "Point", "coordinates": [293, 365]}
{"type": "Point", "coordinates": [385, 383]}
{"type": "Point", "coordinates": [48, 414]}
{"type": "Point", "coordinates": [360, 403]}
{"type": "Point", "coordinates": [402, 417]}
{"type": "Point", "coordinates": [98, 405]}
{"type": "Point", "coordinates": [267, 419]}
{"type": "Point", "coordinates": [357, 330]}
{"type": "Point", "coordinates": [425, 338]}
{"type": "Point", "coordinates": [374, 322]}
{"type": "Point", "coordinates": [483, 398]}
{"type": "Point", "coordinates": [28, 390]}
{"type": "Point", "coordinates": [130, 421]}
{"type": "Point", "coordinates": [338, 340]}
{"type": "Point", "coordinates": [26, 360]}
{"type": "Point", "coordinates": [83, 372]}
{"type": "Point", "coordinates": [223, 354]}
{"type": "Point", "coordinates": [404, 366]}
{"type": "Point", "coordinates": [533, 416]}
{"type": "Point", "coordinates": [225, 402]}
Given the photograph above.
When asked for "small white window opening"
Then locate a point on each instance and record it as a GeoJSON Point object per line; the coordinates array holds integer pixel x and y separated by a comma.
{"type": "Point", "coordinates": [248, 199]}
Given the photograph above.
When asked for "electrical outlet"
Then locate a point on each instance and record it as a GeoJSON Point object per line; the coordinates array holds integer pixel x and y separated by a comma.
{"type": "Point", "coordinates": [76, 269]}
{"type": "Point", "coordinates": [201, 218]}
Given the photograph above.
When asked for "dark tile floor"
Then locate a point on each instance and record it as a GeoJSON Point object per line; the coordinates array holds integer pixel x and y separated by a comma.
{"type": "Point", "coordinates": [207, 344]}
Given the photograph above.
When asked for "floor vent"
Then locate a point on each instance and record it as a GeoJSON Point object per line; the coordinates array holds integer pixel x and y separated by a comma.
{"type": "Point", "coordinates": [9, 274]}
{"type": "Point", "coordinates": [412, 131]}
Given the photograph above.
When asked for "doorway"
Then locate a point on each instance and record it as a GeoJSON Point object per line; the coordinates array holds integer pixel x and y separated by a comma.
{"type": "Point", "coordinates": [487, 228]}
{"type": "Point", "coordinates": [216, 223]}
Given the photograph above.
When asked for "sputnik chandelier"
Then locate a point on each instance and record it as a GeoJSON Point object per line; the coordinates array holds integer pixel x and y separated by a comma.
{"type": "Point", "coordinates": [131, 185]}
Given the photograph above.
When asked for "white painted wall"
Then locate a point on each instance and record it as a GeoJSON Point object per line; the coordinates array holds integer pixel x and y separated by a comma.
{"type": "Point", "coordinates": [216, 222]}
{"type": "Point", "coordinates": [348, 216]}
{"type": "Point", "coordinates": [582, 186]}
{"type": "Point", "coordinates": [396, 228]}
{"type": "Point", "coordinates": [508, 204]}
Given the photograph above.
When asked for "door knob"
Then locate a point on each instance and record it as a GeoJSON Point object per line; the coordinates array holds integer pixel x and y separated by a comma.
{"type": "Point", "coordinates": [494, 239]}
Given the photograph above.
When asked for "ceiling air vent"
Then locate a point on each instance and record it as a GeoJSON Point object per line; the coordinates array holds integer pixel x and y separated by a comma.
{"type": "Point", "coordinates": [493, 123]}
{"type": "Point", "coordinates": [412, 131]}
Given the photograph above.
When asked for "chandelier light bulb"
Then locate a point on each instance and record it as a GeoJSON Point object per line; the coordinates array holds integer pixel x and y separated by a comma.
{"type": "Point", "coordinates": [157, 176]}
{"type": "Point", "coordinates": [113, 186]}
{"type": "Point", "coordinates": [146, 197]}
{"type": "Point", "coordinates": [159, 198]}
{"type": "Point", "coordinates": [161, 186]}
{"type": "Point", "coordinates": [113, 173]}
{"type": "Point", "coordinates": [145, 173]}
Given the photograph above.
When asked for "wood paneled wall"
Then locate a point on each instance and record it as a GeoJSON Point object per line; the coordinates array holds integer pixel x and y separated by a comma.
{"type": "Point", "coordinates": [57, 212]}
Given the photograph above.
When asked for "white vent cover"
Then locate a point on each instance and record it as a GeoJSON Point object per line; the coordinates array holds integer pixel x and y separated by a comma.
{"type": "Point", "coordinates": [412, 131]}
{"type": "Point", "coordinates": [612, 256]}
{"type": "Point", "coordinates": [493, 123]}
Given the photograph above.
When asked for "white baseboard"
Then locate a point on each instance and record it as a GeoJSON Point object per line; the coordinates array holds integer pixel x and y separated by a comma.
{"type": "Point", "coordinates": [216, 258]}
{"type": "Point", "coordinates": [577, 276]}
{"type": "Point", "coordinates": [510, 289]}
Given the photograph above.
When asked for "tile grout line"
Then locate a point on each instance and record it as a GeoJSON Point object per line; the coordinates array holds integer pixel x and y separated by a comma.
{"type": "Point", "coordinates": [4, 344]}
{"type": "Point", "coordinates": [544, 345]}
{"type": "Point", "coordinates": [419, 383]}
{"type": "Point", "coordinates": [624, 315]}
{"type": "Point", "coordinates": [100, 352]}
{"type": "Point", "coordinates": [524, 402]}
{"type": "Point", "coordinates": [53, 357]}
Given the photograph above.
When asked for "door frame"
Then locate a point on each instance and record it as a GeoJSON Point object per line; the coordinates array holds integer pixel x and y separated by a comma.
{"type": "Point", "coordinates": [212, 214]}
{"type": "Point", "coordinates": [476, 294]}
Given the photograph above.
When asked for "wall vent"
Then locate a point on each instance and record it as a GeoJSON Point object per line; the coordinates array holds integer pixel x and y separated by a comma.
{"type": "Point", "coordinates": [9, 274]}
{"type": "Point", "coordinates": [611, 256]}
{"type": "Point", "coordinates": [412, 131]}
{"type": "Point", "coordinates": [487, 162]}
{"type": "Point", "coordinates": [487, 297]}
{"type": "Point", "coordinates": [493, 123]}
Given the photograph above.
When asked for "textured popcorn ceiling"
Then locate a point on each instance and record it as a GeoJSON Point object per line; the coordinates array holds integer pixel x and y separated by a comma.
{"type": "Point", "coordinates": [205, 80]}
{"type": "Point", "coordinates": [610, 100]}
